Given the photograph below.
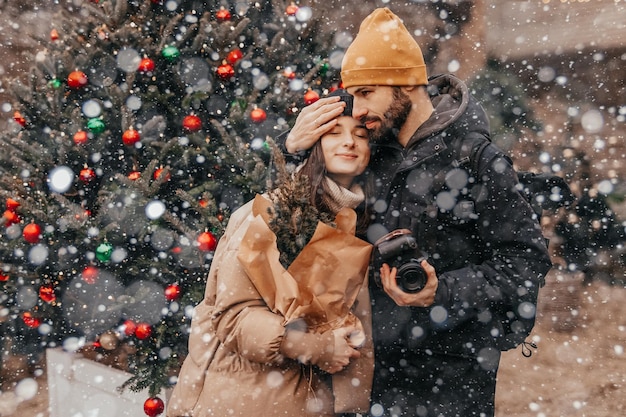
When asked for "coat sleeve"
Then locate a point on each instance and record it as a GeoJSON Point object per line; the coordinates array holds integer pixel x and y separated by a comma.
{"type": "Point", "coordinates": [294, 158]}
{"type": "Point", "coordinates": [244, 323]}
{"type": "Point", "coordinates": [516, 258]}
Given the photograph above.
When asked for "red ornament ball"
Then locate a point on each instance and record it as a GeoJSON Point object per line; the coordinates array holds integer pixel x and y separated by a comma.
{"type": "Point", "coordinates": [159, 172]}
{"type": "Point", "coordinates": [172, 292]}
{"type": "Point", "coordinates": [222, 15]}
{"type": "Point", "coordinates": [207, 241]}
{"type": "Point", "coordinates": [192, 123]}
{"type": "Point", "coordinates": [81, 137]}
{"type": "Point", "coordinates": [291, 9]}
{"type": "Point", "coordinates": [130, 137]}
{"type": "Point", "coordinates": [153, 406]}
{"type": "Point", "coordinates": [135, 175]}
{"type": "Point", "coordinates": [311, 97]}
{"type": "Point", "coordinates": [143, 331]}
{"type": "Point", "coordinates": [46, 293]}
{"type": "Point", "coordinates": [90, 274]}
{"type": "Point", "coordinates": [289, 73]}
{"type": "Point", "coordinates": [146, 65]}
{"type": "Point", "coordinates": [234, 56]}
{"type": "Point", "coordinates": [10, 217]}
{"type": "Point", "coordinates": [225, 71]}
{"type": "Point", "coordinates": [129, 327]}
{"type": "Point", "coordinates": [77, 79]}
{"type": "Point", "coordinates": [32, 233]}
{"type": "Point", "coordinates": [54, 35]}
{"type": "Point", "coordinates": [258, 115]}
{"type": "Point", "coordinates": [87, 175]}
{"type": "Point", "coordinates": [30, 320]}
{"type": "Point", "coordinates": [3, 277]}
{"type": "Point", "coordinates": [17, 116]}
{"type": "Point", "coordinates": [12, 204]}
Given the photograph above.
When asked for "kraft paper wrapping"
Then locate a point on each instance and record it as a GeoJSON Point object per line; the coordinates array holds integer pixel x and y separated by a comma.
{"type": "Point", "coordinates": [319, 287]}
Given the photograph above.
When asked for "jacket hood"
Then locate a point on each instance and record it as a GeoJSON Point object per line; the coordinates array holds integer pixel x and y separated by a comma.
{"type": "Point", "coordinates": [453, 105]}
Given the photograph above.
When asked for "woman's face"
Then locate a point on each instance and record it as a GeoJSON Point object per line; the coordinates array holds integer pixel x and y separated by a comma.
{"type": "Point", "coordinates": [346, 150]}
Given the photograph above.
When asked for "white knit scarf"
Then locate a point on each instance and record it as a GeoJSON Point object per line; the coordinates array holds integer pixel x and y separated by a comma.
{"type": "Point", "coordinates": [341, 197]}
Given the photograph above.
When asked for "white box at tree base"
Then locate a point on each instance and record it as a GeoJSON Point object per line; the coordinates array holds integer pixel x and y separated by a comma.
{"type": "Point", "coordinates": [80, 387]}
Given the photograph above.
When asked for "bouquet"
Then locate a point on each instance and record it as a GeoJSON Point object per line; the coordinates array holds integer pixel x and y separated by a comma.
{"type": "Point", "coordinates": [323, 281]}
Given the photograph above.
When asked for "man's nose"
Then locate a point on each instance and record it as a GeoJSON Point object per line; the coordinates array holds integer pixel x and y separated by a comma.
{"type": "Point", "coordinates": [358, 111]}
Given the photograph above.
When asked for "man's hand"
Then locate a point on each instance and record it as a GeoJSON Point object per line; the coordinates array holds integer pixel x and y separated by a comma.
{"type": "Point", "coordinates": [423, 298]}
{"type": "Point", "coordinates": [313, 121]}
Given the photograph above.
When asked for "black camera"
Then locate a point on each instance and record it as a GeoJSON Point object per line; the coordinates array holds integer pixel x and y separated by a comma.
{"type": "Point", "coordinates": [399, 248]}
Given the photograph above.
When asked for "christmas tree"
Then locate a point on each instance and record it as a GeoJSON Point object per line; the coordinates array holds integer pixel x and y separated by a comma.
{"type": "Point", "coordinates": [142, 126]}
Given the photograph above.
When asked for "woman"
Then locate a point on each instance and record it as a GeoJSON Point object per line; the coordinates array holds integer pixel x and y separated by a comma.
{"type": "Point", "coordinates": [275, 342]}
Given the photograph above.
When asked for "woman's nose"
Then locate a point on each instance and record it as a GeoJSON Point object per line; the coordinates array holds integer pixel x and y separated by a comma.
{"type": "Point", "coordinates": [348, 140]}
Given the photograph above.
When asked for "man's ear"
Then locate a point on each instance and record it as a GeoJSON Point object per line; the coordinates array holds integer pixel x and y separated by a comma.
{"type": "Point", "coordinates": [417, 92]}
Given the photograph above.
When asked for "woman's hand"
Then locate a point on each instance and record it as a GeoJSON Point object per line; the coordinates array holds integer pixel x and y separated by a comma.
{"type": "Point", "coordinates": [423, 298]}
{"type": "Point", "coordinates": [343, 351]}
{"type": "Point", "coordinates": [313, 121]}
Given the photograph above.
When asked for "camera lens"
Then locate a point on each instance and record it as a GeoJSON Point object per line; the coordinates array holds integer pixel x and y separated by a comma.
{"type": "Point", "coordinates": [411, 277]}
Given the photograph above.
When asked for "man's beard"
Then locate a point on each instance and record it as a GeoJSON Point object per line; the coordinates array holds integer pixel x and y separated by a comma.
{"type": "Point", "coordinates": [393, 119]}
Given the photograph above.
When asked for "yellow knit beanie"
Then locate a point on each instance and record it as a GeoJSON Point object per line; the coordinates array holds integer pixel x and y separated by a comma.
{"type": "Point", "coordinates": [383, 53]}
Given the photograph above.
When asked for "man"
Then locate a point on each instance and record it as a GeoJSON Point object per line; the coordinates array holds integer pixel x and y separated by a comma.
{"type": "Point", "coordinates": [437, 350]}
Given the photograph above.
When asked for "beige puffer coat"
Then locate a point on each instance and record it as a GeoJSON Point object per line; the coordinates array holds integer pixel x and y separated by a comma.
{"type": "Point", "coordinates": [241, 360]}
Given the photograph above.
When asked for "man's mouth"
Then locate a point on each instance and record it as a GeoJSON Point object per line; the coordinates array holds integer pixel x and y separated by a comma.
{"type": "Point", "coordinates": [370, 124]}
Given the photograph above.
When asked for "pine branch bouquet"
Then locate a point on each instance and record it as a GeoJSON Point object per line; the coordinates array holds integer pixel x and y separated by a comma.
{"type": "Point", "coordinates": [141, 127]}
{"type": "Point", "coordinates": [293, 219]}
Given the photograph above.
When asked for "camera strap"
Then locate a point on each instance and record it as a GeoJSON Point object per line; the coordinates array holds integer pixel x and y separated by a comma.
{"type": "Point", "coordinates": [391, 235]}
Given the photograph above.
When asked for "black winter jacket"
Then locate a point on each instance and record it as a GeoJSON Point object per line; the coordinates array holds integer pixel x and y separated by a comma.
{"type": "Point", "coordinates": [479, 232]}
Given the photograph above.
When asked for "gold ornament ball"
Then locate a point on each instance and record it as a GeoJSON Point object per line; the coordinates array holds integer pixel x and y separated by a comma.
{"type": "Point", "coordinates": [109, 341]}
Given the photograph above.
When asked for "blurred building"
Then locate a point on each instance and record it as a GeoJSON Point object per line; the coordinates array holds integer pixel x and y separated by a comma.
{"type": "Point", "coordinates": [570, 56]}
